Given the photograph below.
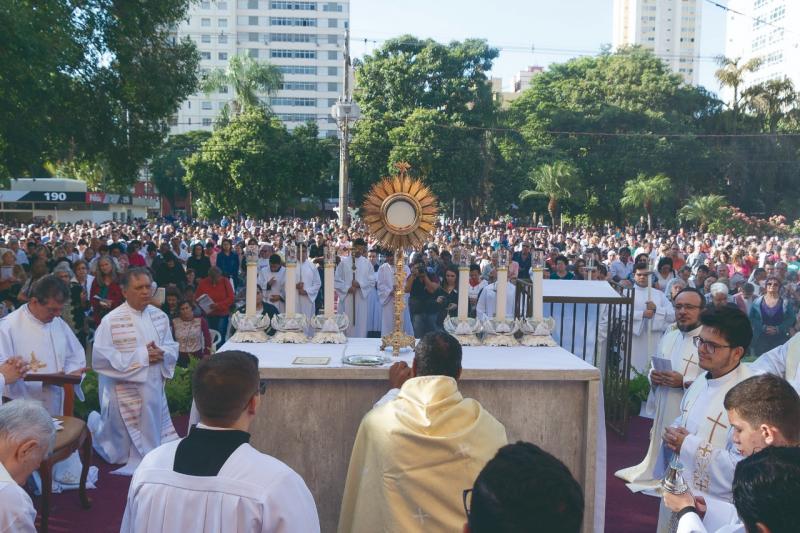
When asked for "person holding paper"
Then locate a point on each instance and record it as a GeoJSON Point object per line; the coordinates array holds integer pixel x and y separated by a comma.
{"type": "Point", "coordinates": [219, 289]}
{"type": "Point", "coordinates": [673, 369]}
{"type": "Point", "coordinates": [271, 281]}
{"type": "Point", "coordinates": [650, 305]}
{"type": "Point", "coordinates": [134, 354]}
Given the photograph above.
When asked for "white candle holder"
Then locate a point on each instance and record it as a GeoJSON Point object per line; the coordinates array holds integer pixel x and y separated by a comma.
{"type": "Point", "coordinates": [465, 331]}
{"type": "Point", "coordinates": [249, 328]}
{"type": "Point", "coordinates": [290, 329]}
{"type": "Point", "coordinates": [537, 332]}
{"type": "Point", "coordinates": [330, 330]}
{"type": "Point", "coordinates": [500, 332]}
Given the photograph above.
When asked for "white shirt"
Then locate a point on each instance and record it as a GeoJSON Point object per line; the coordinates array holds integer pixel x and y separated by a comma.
{"type": "Point", "coordinates": [17, 514]}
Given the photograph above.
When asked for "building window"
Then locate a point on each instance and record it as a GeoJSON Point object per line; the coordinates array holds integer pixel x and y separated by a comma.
{"type": "Point", "coordinates": [222, 39]}
{"type": "Point", "coordinates": [297, 69]}
{"type": "Point", "coordinates": [296, 117]}
{"type": "Point", "coordinates": [333, 87]}
{"type": "Point", "coordinates": [205, 22]}
{"type": "Point", "coordinates": [333, 71]}
{"type": "Point", "coordinates": [252, 4]}
{"type": "Point", "coordinates": [205, 55]}
{"type": "Point", "coordinates": [206, 122]}
{"type": "Point", "coordinates": [296, 6]}
{"type": "Point", "coordinates": [223, 89]}
{"type": "Point", "coordinates": [252, 21]}
{"type": "Point", "coordinates": [222, 5]}
{"type": "Point", "coordinates": [222, 56]}
{"type": "Point", "coordinates": [332, 6]}
{"type": "Point", "coordinates": [205, 5]}
{"type": "Point", "coordinates": [252, 37]}
{"type": "Point", "coordinates": [222, 23]}
{"type": "Point", "coordinates": [298, 86]}
{"type": "Point", "coordinates": [292, 38]}
{"type": "Point", "coordinates": [252, 52]}
{"type": "Point", "coordinates": [333, 23]}
{"type": "Point", "coordinates": [333, 39]}
{"type": "Point", "coordinates": [293, 54]}
{"type": "Point", "coordinates": [292, 21]}
{"type": "Point", "coordinates": [295, 102]}
{"type": "Point", "coordinates": [205, 105]}
{"type": "Point", "coordinates": [333, 55]}
{"type": "Point", "coordinates": [205, 38]}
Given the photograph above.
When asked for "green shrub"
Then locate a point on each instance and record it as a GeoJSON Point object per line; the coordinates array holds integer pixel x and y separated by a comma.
{"type": "Point", "coordinates": [178, 390]}
{"type": "Point", "coordinates": [638, 389]}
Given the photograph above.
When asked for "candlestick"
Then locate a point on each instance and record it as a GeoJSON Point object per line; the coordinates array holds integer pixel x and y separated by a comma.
{"type": "Point", "coordinates": [330, 266]}
{"type": "Point", "coordinates": [463, 292]}
{"type": "Point", "coordinates": [291, 280]}
{"type": "Point", "coordinates": [501, 286]}
{"type": "Point", "coordinates": [251, 291]}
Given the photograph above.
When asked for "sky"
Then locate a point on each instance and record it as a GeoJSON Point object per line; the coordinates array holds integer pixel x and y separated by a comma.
{"type": "Point", "coordinates": [528, 32]}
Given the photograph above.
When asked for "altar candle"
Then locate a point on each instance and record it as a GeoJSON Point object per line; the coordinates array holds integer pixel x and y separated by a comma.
{"type": "Point", "coordinates": [538, 294]}
{"type": "Point", "coordinates": [252, 289]}
{"type": "Point", "coordinates": [329, 268]}
{"type": "Point", "coordinates": [502, 287]}
{"type": "Point", "coordinates": [463, 292]}
{"type": "Point", "coordinates": [291, 289]}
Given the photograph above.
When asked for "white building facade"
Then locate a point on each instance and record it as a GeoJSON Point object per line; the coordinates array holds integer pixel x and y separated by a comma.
{"type": "Point", "coordinates": [769, 29]}
{"type": "Point", "coordinates": [670, 28]}
{"type": "Point", "coordinates": [304, 39]}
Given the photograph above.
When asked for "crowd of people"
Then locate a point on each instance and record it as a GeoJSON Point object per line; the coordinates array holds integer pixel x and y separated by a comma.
{"type": "Point", "coordinates": [147, 296]}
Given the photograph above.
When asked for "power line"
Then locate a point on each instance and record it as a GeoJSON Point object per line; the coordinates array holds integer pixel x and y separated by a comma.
{"type": "Point", "coordinates": [760, 20]}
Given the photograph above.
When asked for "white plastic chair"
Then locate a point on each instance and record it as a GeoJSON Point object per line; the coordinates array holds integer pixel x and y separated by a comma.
{"type": "Point", "coordinates": [216, 338]}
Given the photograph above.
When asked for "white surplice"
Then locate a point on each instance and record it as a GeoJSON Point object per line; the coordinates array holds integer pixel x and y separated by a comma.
{"type": "Point", "coordinates": [679, 348]}
{"type": "Point", "coordinates": [17, 513]}
{"type": "Point", "coordinates": [783, 361]}
{"type": "Point", "coordinates": [252, 492]}
{"type": "Point", "coordinates": [487, 306]}
{"type": "Point", "coordinates": [385, 287]}
{"type": "Point", "coordinates": [272, 283]}
{"type": "Point", "coordinates": [308, 274]}
{"type": "Point", "coordinates": [343, 280]}
{"type": "Point", "coordinates": [51, 344]}
{"type": "Point", "coordinates": [664, 316]}
{"type": "Point", "coordinates": [707, 453]}
{"type": "Point", "coordinates": [134, 417]}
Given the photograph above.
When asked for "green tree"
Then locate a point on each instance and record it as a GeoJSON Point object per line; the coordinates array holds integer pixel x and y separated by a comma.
{"type": "Point", "coordinates": [556, 181]}
{"type": "Point", "coordinates": [166, 168]}
{"type": "Point", "coordinates": [730, 74]}
{"type": "Point", "coordinates": [90, 83]}
{"type": "Point", "coordinates": [771, 102]}
{"type": "Point", "coordinates": [248, 78]}
{"type": "Point", "coordinates": [646, 192]}
{"type": "Point", "coordinates": [702, 210]}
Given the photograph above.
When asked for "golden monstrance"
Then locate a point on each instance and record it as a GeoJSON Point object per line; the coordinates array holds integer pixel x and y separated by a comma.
{"type": "Point", "coordinates": [400, 213]}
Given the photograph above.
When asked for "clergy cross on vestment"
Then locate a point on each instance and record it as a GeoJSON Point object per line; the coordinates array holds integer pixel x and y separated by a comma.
{"type": "Point", "coordinates": [689, 361]}
{"type": "Point", "coordinates": [714, 426]}
{"type": "Point", "coordinates": [420, 515]}
{"type": "Point", "coordinates": [34, 364]}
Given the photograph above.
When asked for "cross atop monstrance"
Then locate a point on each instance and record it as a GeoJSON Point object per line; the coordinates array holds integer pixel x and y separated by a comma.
{"type": "Point", "coordinates": [400, 212]}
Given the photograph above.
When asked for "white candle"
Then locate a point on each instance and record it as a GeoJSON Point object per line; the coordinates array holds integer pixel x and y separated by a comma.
{"type": "Point", "coordinates": [329, 268]}
{"type": "Point", "coordinates": [291, 289]}
{"type": "Point", "coordinates": [538, 294]}
{"type": "Point", "coordinates": [463, 292]}
{"type": "Point", "coordinates": [252, 289]}
{"type": "Point", "coordinates": [502, 288]}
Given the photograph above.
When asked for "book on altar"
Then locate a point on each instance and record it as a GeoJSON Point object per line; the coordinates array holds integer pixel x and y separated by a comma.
{"type": "Point", "coordinates": [206, 303]}
{"type": "Point", "coordinates": [661, 364]}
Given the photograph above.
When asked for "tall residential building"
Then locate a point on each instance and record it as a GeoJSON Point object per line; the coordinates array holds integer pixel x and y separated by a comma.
{"type": "Point", "coordinates": [305, 40]}
{"type": "Point", "coordinates": [769, 29]}
{"type": "Point", "coordinates": [670, 28]}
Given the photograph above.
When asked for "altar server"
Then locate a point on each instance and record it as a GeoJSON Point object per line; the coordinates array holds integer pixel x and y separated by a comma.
{"type": "Point", "coordinates": [38, 335]}
{"type": "Point", "coordinates": [213, 480]}
{"type": "Point", "coordinates": [764, 411]}
{"type": "Point", "coordinates": [418, 447]}
{"type": "Point", "coordinates": [271, 281]}
{"type": "Point", "coordinates": [27, 434]}
{"type": "Point", "coordinates": [134, 354]}
{"type": "Point", "coordinates": [650, 305]}
{"type": "Point", "coordinates": [699, 436]}
{"type": "Point", "coordinates": [385, 287]}
{"type": "Point", "coordinates": [783, 361]}
{"type": "Point", "coordinates": [487, 300]}
{"type": "Point", "coordinates": [355, 286]}
{"type": "Point", "coordinates": [677, 346]}
{"type": "Point", "coordinates": [308, 285]}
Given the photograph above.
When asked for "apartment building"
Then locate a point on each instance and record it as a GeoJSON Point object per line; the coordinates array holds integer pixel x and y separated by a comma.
{"type": "Point", "coordinates": [304, 39]}
{"type": "Point", "coordinates": [670, 28]}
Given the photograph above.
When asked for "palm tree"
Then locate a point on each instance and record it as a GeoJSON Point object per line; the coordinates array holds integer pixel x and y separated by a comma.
{"type": "Point", "coordinates": [702, 210]}
{"type": "Point", "coordinates": [772, 101]}
{"type": "Point", "coordinates": [554, 181]}
{"type": "Point", "coordinates": [646, 192]}
{"type": "Point", "coordinates": [731, 74]}
{"type": "Point", "coordinates": [248, 78]}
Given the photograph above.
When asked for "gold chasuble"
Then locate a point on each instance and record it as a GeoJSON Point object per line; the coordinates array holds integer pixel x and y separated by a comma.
{"type": "Point", "coordinates": [414, 456]}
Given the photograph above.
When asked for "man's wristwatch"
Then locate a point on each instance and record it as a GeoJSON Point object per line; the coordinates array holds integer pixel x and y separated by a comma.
{"type": "Point", "coordinates": [686, 510]}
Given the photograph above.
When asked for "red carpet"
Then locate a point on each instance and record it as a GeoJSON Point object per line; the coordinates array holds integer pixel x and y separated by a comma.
{"type": "Point", "coordinates": [625, 512]}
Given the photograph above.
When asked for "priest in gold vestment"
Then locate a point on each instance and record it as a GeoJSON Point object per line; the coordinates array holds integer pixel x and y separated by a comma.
{"type": "Point", "coordinates": [419, 448]}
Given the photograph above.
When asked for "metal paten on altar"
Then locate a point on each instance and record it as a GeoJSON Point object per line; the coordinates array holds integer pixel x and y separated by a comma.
{"type": "Point", "coordinates": [250, 326]}
{"type": "Point", "coordinates": [400, 213]}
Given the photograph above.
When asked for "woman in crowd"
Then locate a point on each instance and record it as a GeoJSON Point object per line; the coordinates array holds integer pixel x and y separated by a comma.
{"type": "Point", "coordinates": [218, 289]}
{"type": "Point", "coordinates": [171, 300]}
{"type": "Point", "coordinates": [199, 262]}
{"type": "Point", "coordinates": [38, 270]}
{"type": "Point", "coordinates": [135, 259]}
{"type": "Point", "coordinates": [447, 295]}
{"type": "Point", "coordinates": [169, 272]}
{"type": "Point", "coordinates": [106, 293]}
{"type": "Point", "coordinates": [79, 288]}
{"type": "Point", "coordinates": [191, 279]}
{"type": "Point", "coordinates": [664, 273]}
{"type": "Point", "coordinates": [191, 333]}
{"type": "Point", "coordinates": [72, 312]}
{"type": "Point", "coordinates": [771, 316]}
{"type": "Point", "coordinates": [228, 262]}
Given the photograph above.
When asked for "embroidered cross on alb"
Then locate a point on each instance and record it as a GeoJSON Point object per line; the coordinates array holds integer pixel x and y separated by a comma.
{"type": "Point", "coordinates": [689, 361]}
{"type": "Point", "coordinates": [714, 426]}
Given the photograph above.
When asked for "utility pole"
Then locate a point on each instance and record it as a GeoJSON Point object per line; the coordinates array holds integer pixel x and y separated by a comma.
{"type": "Point", "coordinates": [345, 111]}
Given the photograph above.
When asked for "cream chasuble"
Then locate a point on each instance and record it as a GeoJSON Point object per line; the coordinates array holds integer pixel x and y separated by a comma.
{"type": "Point", "coordinates": [707, 453]}
{"type": "Point", "coordinates": [343, 279]}
{"type": "Point", "coordinates": [413, 456]}
{"type": "Point", "coordinates": [679, 348]}
{"type": "Point", "coordinates": [384, 287]}
{"type": "Point", "coordinates": [783, 361]}
{"type": "Point", "coordinates": [134, 416]}
{"type": "Point", "coordinates": [49, 348]}
{"type": "Point", "coordinates": [661, 320]}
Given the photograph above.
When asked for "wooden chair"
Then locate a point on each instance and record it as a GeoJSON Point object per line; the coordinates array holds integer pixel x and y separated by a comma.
{"type": "Point", "coordinates": [74, 436]}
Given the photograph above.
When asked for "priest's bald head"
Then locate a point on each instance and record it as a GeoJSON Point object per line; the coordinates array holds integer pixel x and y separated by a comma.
{"type": "Point", "coordinates": [227, 389]}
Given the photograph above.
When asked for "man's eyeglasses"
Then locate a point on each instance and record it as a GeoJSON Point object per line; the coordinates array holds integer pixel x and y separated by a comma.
{"type": "Point", "coordinates": [466, 496]}
{"type": "Point", "coordinates": [710, 346]}
{"type": "Point", "coordinates": [686, 307]}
